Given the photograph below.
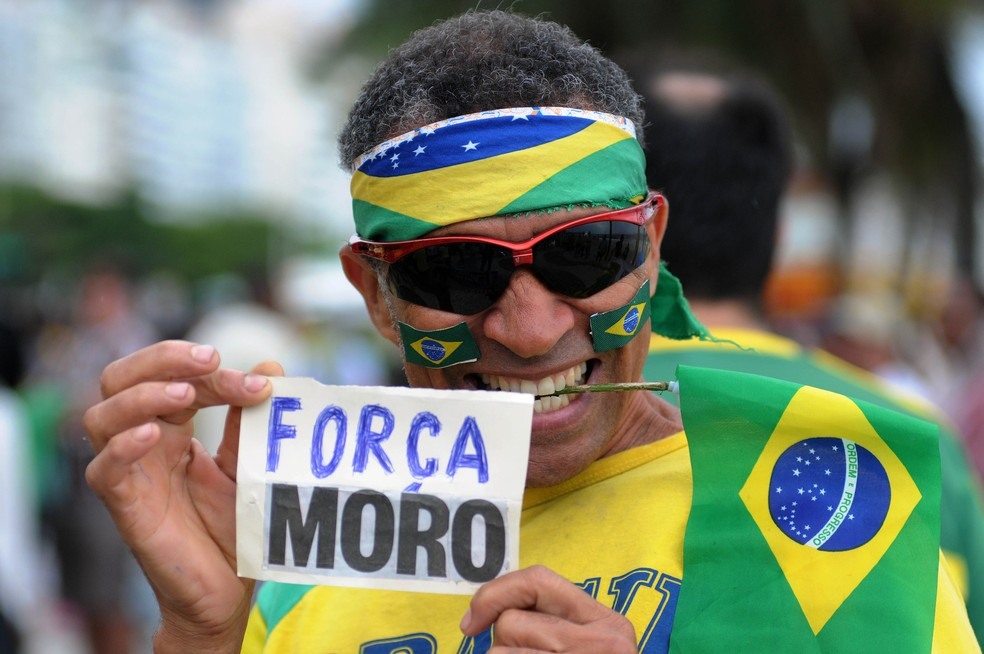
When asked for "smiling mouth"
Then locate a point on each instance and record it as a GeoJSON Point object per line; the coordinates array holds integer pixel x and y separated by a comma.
{"type": "Point", "coordinates": [543, 389]}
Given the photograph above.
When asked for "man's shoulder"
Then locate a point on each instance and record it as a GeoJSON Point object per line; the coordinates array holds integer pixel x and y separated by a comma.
{"type": "Point", "coordinates": [275, 599]}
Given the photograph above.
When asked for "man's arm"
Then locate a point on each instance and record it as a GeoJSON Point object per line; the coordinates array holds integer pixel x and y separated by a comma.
{"type": "Point", "coordinates": [173, 503]}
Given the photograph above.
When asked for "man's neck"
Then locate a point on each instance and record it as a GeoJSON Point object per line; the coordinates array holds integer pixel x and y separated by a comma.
{"type": "Point", "coordinates": [727, 313]}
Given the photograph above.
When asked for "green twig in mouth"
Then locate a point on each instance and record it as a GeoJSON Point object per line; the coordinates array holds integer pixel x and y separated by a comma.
{"type": "Point", "coordinates": [608, 388]}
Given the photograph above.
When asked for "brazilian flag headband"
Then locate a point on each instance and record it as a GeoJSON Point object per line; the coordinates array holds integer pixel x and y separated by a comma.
{"type": "Point", "coordinates": [494, 163]}
{"type": "Point", "coordinates": [500, 163]}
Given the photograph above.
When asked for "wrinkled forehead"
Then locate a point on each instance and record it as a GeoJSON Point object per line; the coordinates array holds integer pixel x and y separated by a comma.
{"type": "Point", "coordinates": [507, 162]}
{"type": "Point", "coordinates": [518, 227]}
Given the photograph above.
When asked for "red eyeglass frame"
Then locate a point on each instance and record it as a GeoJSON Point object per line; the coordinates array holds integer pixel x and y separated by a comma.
{"type": "Point", "coordinates": [522, 252]}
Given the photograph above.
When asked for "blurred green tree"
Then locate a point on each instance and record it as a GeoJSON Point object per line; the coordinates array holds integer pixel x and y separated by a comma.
{"type": "Point", "coordinates": [62, 238]}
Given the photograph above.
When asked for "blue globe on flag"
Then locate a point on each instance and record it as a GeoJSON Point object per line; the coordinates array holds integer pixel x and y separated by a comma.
{"type": "Point", "coordinates": [829, 493]}
{"type": "Point", "coordinates": [433, 350]}
{"type": "Point", "coordinates": [631, 320]}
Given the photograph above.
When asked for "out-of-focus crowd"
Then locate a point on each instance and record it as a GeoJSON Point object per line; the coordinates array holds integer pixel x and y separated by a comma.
{"type": "Point", "coordinates": [67, 582]}
{"type": "Point", "coordinates": [940, 362]}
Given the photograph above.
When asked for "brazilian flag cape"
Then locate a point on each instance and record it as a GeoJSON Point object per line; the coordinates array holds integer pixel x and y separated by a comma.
{"type": "Point", "coordinates": [815, 521]}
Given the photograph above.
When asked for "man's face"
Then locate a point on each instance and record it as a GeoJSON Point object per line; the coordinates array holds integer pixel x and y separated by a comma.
{"type": "Point", "coordinates": [531, 335]}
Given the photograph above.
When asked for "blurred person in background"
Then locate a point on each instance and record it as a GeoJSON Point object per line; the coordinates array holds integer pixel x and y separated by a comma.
{"type": "Point", "coordinates": [24, 591]}
{"type": "Point", "coordinates": [719, 146]}
{"type": "Point", "coordinates": [869, 330]}
{"type": "Point", "coordinates": [98, 575]}
{"type": "Point", "coordinates": [241, 318]}
{"type": "Point", "coordinates": [961, 328]}
{"type": "Point", "coordinates": [962, 332]}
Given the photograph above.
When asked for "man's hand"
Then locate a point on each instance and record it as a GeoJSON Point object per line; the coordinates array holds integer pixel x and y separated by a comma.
{"type": "Point", "coordinates": [173, 504]}
{"type": "Point", "coordinates": [535, 609]}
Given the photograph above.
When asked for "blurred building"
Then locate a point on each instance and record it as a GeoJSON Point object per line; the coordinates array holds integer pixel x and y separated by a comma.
{"type": "Point", "coordinates": [201, 107]}
{"type": "Point", "coordinates": [967, 55]}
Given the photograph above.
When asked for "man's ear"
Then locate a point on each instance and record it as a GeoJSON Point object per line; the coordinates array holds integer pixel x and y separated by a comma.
{"type": "Point", "coordinates": [363, 277]}
{"type": "Point", "coordinates": [655, 229]}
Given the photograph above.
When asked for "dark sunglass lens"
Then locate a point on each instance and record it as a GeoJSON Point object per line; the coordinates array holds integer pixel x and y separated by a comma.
{"type": "Point", "coordinates": [462, 278]}
{"type": "Point", "coordinates": [586, 259]}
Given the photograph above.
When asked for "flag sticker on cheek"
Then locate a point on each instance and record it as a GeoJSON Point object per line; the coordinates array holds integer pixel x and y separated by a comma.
{"type": "Point", "coordinates": [439, 348]}
{"type": "Point", "coordinates": [614, 329]}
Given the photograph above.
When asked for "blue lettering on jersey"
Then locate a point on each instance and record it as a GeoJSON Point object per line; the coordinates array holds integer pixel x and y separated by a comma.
{"type": "Point", "coordinates": [410, 644]}
{"type": "Point", "coordinates": [622, 590]}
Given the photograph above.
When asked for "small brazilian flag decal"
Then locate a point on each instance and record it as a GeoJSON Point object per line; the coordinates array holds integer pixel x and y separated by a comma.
{"type": "Point", "coordinates": [440, 348]}
{"type": "Point", "coordinates": [613, 329]}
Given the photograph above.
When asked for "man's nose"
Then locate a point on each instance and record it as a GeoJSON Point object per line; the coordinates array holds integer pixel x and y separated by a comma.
{"type": "Point", "coordinates": [529, 318]}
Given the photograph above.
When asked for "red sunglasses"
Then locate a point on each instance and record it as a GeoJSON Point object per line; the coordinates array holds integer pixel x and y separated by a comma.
{"type": "Point", "coordinates": [468, 274]}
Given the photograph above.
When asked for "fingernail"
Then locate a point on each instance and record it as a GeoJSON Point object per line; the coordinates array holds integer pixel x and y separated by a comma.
{"type": "Point", "coordinates": [197, 446]}
{"type": "Point", "coordinates": [202, 353]}
{"type": "Point", "coordinates": [177, 390]}
{"type": "Point", "coordinates": [254, 383]}
{"type": "Point", "coordinates": [143, 432]}
{"type": "Point", "coordinates": [465, 621]}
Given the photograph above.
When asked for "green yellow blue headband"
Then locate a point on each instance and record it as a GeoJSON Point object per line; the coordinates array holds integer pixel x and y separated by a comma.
{"type": "Point", "coordinates": [493, 163]}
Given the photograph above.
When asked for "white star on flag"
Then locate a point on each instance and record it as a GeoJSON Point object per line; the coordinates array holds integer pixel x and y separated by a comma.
{"type": "Point", "coordinates": [420, 150]}
{"type": "Point", "coordinates": [470, 145]}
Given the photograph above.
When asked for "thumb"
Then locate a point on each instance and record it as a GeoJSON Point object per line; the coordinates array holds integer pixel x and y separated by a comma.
{"type": "Point", "coordinates": [227, 456]}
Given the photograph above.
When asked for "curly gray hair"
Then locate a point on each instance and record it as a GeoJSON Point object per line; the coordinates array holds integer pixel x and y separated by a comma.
{"type": "Point", "coordinates": [479, 61]}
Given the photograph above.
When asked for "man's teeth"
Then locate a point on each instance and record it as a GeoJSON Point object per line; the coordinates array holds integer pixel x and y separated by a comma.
{"type": "Point", "coordinates": [545, 387]}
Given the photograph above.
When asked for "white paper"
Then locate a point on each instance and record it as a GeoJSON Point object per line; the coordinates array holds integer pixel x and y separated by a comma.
{"type": "Point", "coordinates": [381, 487]}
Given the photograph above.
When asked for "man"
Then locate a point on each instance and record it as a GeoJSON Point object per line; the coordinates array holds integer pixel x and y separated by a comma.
{"type": "Point", "coordinates": [720, 148]}
{"type": "Point", "coordinates": [540, 113]}
{"type": "Point", "coordinates": [98, 576]}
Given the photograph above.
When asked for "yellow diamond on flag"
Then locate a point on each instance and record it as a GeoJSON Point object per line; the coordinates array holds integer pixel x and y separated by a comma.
{"type": "Point", "coordinates": [830, 497]}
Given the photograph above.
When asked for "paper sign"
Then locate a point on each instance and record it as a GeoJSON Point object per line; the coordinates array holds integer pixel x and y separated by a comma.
{"type": "Point", "coordinates": [379, 487]}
